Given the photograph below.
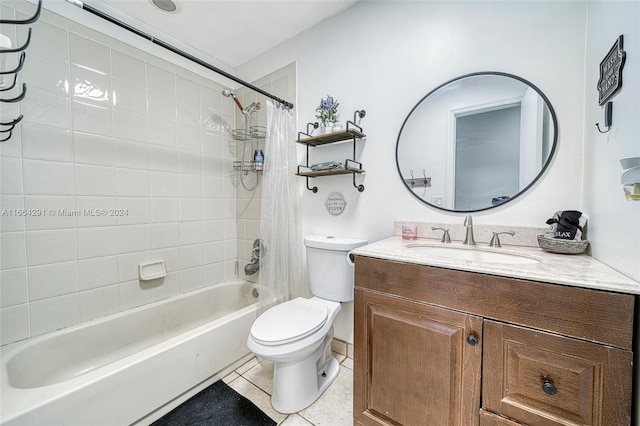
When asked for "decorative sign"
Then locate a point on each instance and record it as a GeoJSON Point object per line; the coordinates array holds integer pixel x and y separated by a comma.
{"type": "Point", "coordinates": [335, 203]}
{"type": "Point", "coordinates": [611, 72]}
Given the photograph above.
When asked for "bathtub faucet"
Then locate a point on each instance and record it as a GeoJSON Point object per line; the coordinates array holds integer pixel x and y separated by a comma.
{"type": "Point", "coordinates": [259, 249]}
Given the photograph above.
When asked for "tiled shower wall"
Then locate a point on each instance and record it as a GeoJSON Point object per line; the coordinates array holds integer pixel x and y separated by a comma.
{"type": "Point", "coordinates": [121, 158]}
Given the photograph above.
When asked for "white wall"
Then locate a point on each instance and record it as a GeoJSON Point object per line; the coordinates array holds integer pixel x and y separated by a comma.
{"type": "Point", "coordinates": [108, 126]}
{"type": "Point", "coordinates": [385, 56]}
{"type": "Point", "coordinates": [614, 228]}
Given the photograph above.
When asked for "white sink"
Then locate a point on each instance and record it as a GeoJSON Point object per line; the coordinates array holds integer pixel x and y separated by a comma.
{"type": "Point", "coordinates": [470, 254]}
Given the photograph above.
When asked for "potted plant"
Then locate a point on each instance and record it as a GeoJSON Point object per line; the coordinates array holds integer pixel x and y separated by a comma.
{"type": "Point", "coordinates": [327, 113]}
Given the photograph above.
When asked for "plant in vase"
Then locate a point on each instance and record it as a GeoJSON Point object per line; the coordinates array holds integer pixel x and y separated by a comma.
{"type": "Point", "coordinates": [327, 113]}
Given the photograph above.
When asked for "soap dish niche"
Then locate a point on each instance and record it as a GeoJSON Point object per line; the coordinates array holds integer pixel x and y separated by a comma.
{"type": "Point", "coordinates": [152, 270]}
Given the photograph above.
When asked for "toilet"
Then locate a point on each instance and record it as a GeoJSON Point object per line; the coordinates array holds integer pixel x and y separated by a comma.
{"type": "Point", "coordinates": [297, 334]}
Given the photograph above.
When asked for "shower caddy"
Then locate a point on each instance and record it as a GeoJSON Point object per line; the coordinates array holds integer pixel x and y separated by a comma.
{"type": "Point", "coordinates": [352, 132]}
{"type": "Point", "coordinates": [255, 133]}
{"type": "Point", "coordinates": [8, 126]}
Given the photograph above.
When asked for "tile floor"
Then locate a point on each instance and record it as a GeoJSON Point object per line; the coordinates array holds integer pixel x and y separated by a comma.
{"type": "Point", "coordinates": [334, 408]}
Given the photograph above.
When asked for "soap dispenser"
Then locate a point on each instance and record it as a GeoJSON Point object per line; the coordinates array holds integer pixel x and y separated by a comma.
{"type": "Point", "coordinates": [258, 160]}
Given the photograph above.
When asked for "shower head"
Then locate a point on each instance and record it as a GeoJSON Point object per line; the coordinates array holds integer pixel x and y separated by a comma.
{"type": "Point", "coordinates": [254, 106]}
{"type": "Point", "coordinates": [229, 94]}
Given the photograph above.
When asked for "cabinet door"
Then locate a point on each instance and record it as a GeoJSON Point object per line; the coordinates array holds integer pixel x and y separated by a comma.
{"type": "Point", "coordinates": [540, 378]}
{"type": "Point", "coordinates": [413, 364]}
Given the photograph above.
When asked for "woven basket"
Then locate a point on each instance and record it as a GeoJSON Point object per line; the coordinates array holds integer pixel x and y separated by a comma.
{"type": "Point", "coordinates": [556, 245]}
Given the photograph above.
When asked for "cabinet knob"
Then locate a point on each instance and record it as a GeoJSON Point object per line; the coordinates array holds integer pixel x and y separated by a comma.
{"type": "Point", "coordinates": [472, 340]}
{"type": "Point", "coordinates": [549, 388]}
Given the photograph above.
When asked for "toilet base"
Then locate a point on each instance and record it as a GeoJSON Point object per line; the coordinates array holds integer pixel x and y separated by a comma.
{"type": "Point", "coordinates": [297, 384]}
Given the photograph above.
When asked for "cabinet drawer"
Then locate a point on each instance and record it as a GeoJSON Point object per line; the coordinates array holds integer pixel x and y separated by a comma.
{"type": "Point", "coordinates": [546, 379]}
{"type": "Point", "coordinates": [490, 419]}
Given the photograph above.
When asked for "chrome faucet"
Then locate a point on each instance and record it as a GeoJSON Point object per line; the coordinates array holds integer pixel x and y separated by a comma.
{"type": "Point", "coordinates": [468, 239]}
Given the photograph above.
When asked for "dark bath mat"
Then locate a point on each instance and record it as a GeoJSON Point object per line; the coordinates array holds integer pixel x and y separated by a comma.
{"type": "Point", "coordinates": [217, 405]}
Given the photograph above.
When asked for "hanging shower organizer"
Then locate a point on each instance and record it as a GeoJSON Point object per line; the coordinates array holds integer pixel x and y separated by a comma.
{"type": "Point", "coordinates": [350, 166]}
{"type": "Point", "coordinates": [253, 133]}
{"type": "Point", "coordinates": [8, 126]}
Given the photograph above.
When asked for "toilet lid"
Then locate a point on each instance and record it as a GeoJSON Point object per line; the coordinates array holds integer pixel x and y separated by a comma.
{"type": "Point", "coordinates": [289, 321]}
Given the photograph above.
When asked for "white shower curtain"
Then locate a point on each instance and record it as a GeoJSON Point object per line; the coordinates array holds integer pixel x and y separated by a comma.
{"type": "Point", "coordinates": [281, 267]}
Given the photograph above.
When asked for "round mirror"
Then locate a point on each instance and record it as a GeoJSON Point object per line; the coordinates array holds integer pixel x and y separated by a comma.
{"type": "Point", "coordinates": [476, 142]}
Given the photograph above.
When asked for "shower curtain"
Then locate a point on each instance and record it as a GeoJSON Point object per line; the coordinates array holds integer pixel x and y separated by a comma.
{"type": "Point", "coordinates": [281, 267]}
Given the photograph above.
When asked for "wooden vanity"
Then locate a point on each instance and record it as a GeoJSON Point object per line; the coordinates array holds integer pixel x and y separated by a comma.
{"type": "Point", "coordinates": [440, 346]}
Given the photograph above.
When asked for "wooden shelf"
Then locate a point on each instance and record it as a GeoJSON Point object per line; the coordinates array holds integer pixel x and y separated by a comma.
{"type": "Point", "coordinates": [337, 136]}
{"type": "Point", "coordinates": [330, 172]}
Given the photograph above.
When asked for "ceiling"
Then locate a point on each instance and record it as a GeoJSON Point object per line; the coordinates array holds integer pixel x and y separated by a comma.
{"type": "Point", "coordinates": [231, 32]}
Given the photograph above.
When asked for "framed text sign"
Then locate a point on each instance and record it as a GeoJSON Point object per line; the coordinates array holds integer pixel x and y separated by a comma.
{"type": "Point", "coordinates": [611, 72]}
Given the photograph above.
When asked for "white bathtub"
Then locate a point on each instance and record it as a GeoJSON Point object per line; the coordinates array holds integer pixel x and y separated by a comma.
{"type": "Point", "coordinates": [125, 367]}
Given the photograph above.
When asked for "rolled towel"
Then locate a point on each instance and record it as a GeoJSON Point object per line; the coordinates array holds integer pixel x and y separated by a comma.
{"type": "Point", "coordinates": [567, 225]}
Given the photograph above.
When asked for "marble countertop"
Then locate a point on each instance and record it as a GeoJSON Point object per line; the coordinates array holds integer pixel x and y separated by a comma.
{"type": "Point", "coordinates": [579, 270]}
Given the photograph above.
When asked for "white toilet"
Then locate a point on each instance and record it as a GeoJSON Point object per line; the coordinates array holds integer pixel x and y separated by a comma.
{"type": "Point", "coordinates": [297, 334]}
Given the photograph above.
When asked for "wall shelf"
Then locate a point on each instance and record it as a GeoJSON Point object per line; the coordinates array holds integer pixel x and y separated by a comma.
{"type": "Point", "coordinates": [352, 133]}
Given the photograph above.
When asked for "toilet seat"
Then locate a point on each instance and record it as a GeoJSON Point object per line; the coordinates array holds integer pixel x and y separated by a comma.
{"type": "Point", "coordinates": [289, 321]}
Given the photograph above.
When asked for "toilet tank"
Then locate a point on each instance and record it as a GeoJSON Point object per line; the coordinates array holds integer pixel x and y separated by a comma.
{"type": "Point", "coordinates": [330, 272]}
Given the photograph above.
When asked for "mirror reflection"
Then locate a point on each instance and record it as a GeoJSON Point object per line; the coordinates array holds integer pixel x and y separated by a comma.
{"type": "Point", "coordinates": [476, 142]}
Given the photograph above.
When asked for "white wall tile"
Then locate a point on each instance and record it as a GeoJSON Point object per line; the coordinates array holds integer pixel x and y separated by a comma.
{"type": "Point", "coordinates": [188, 137]}
{"type": "Point", "coordinates": [13, 287]}
{"type": "Point", "coordinates": [129, 97]}
{"type": "Point", "coordinates": [133, 295]}
{"type": "Point", "coordinates": [163, 159]}
{"type": "Point", "coordinates": [132, 155]}
{"type": "Point", "coordinates": [99, 302]}
{"type": "Point", "coordinates": [46, 143]}
{"type": "Point", "coordinates": [163, 184]}
{"type": "Point", "coordinates": [171, 257]}
{"type": "Point", "coordinates": [51, 41]}
{"type": "Point", "coordinates": [214, 252]}
{"type": "Point", "coordinates": [160, 81]}
{"type": "Point", "coordinates": [189, 162]}
{"type": "Point", "coordinates": [52, 280]}
{"type": "Point", "coordinates": [133, 183]}
{"type": "Point", "coordinates": [95, 180]}
{"type": "Point", "coordinates": [11, 176]}
{"type": "Point", "coordinates": [213, 273]}
{"type": "Point", "coordinates": [162, 107]}
{"type": "Point", "coordinates": [134, 238]}
{"type": "Point", "coordinates": [191, 256]}
{"type": "Point", "coordinates": [11, 217]}
{"type": "Point", "coordinates": [54, 212]}
{"type": "Point", "coordinates": [14, 324]}
{"type": "Point", "coordinates": [89, 118]}
{"type": "Point", "coordinates": [128, 68]}
{"type": "Point", "coordinates": [89, 54]}
{"type": "Point", "coordinates": [130, 125]}
{"type": "Point", "coordinates": [46, 108]}
{"type": "Point", "coordinates": [190, 209]}
{"type": "Point", "coordinates": [98, 209]}
{"type": "Point", "coordinates": [135, 210]}
{"type": "Point", "coordinates": [93, 149]}
{"type": "Point", "coordinates": [191, 279]}
{"type": "Point", "coordinates": [54, 313]}
{"type": "Point", "coordinates": [190, 186]}
{"type": "Point", "coordinates": [128, 265]}
{"type": "Point", "coordinates": [164, 235]}
{"type": "Point", "coordinates": [56, 79]}
{"type": "Point", "coordinates": [164, 210]}
{"type": "Point", "coordinates": [97, 242]}
{"type": "Point", "coordinates": [212, 209]}
{"type": "Point", "coordinates": [97, 272]}
{"type": "Point", "coordinates": [190, 232]}
{"type": "Point", "coordinates": [47, 178]}
{"type": "Point", "coordinates": [90, 87]}
{"type": "Point", "coordinates": [162, 132]}
{"type": "Point", "coordinates": [12, 250]}
{"type": "Point", "coordinates": [50, 246]}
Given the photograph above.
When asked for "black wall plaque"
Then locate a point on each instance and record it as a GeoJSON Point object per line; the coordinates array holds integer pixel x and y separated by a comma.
{"type": "Point", "coordinates": [611, 72]}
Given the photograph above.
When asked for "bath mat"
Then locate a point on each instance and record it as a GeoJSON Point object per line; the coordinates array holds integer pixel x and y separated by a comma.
{"type": "Point", "coordinates": [217, 405]}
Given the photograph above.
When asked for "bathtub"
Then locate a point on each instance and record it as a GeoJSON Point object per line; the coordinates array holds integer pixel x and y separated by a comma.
{"type": "Point", "coordinates": [128, 367]}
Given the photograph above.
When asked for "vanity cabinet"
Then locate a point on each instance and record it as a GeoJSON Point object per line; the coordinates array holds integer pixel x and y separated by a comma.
{"type": "Point", "coordinates": [435, 346]}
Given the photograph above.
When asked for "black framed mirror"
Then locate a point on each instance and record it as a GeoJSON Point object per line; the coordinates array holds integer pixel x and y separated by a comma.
{"type": "Point", "coordinates": [476, 142]}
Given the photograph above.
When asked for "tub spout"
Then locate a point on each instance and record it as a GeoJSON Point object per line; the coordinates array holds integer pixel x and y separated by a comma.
{"type": "Point", "coordinates": [252, 268]}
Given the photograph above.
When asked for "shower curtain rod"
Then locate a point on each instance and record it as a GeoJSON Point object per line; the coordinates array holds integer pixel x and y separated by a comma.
{"type": "Point", "coordinates": [173, 49]}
